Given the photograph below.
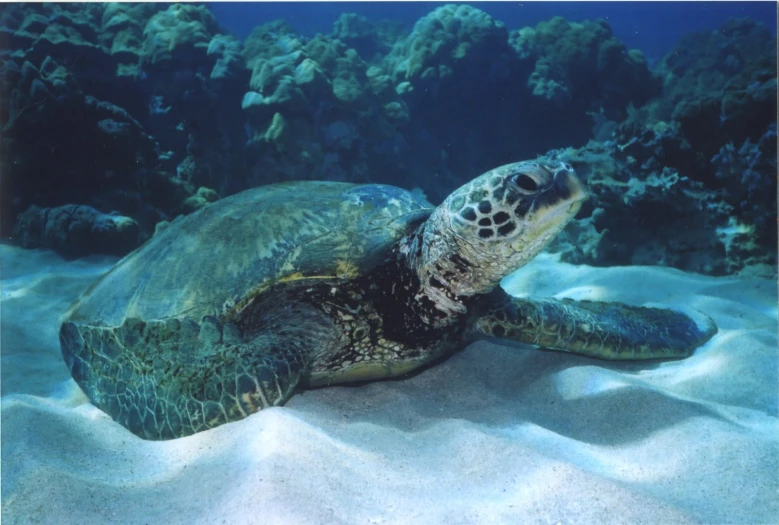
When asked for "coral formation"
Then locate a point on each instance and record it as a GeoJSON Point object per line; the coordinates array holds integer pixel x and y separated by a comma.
{"type": "Point", "coordinates": [76, 230]}
{"type": "Point", "coordinates": [451, 40]}
{"type": "Point", "coordinates": [703, 63]}
{"type": "Point", "coordinates": [371, 40]}
{"type": "Point", "coordinates": [106, 69]}
{"type": "Point", "coordinates": [748, 175]}
{"type": "Point", "coordinates": [203, 197]}
{"type": "Point", "coordinates": [313, 112]}
{"type": "Point", "coordinates": [642, 212]}
{"type": "Point", "coordinates": [578, 63]}
{"type": "Point", "coordinates": [148, 111]}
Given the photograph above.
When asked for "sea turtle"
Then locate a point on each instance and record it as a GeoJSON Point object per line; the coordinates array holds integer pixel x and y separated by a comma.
{"type": "Point", "coordinates": [304, 284]}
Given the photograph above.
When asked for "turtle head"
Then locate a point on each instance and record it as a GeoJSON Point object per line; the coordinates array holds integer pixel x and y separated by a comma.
{"type": "Point", "coordinates": [495, 224]}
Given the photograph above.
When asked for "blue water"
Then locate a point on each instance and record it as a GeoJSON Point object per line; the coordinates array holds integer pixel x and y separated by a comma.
{"type": "Point", "coordinates": [652, 27]}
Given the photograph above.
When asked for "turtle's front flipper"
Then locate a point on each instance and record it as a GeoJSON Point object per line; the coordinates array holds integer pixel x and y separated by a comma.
{"type": "Point", "coordinates": [597, 329]}
{"type": "Point", "coordinates": [160, 390]}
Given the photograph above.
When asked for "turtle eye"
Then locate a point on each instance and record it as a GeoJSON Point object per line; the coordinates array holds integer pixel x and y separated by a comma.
{"type": "Point", "coordinates": [525, 183]}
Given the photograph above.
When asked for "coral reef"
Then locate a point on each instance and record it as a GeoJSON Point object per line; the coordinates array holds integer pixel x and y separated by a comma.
{"type": "Point", "coordinates": [76, 230]}
{"type": "Point", "coordinates": [641, 212]}
{"type": "Point", "coordinates": [474, 92]}
{"type": "Point", "coordinates": [457, 75]}
{"type": "Point", "coordinates": [748, 175]}
{"type": "Point", "coordinates": [578, 64]}
{"type": "Point", "coordinates": [656, 199]}
{"type": "Point", "coordinates": [715, 123]}
{"type": "Point", "coordinates": [190, 74]}
{"type": "Point", "coordinates": [451, 40]}
{"type": "Point", "coordinates": [150, 111]}
{"type": "Point", "coordinates": [703, 63]}
{"type": "Point", "coordinates": [203, 197]}
{"type": "Point", "coordinates": [96, 100]}
{"type": "Point", "coordinates": [311, 112]}
{"type": "Point", "coordinates": [60, 145]}
{"type": "Point", "coordinates": [371, 40]}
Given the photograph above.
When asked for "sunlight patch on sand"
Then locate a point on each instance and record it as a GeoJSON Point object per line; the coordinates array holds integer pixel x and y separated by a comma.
{"type": "Point", "coordinates": [576, 383]}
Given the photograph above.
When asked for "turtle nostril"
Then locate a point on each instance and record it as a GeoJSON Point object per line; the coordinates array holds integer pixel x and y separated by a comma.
{"type": "Point", "coordinates": [526, 182]}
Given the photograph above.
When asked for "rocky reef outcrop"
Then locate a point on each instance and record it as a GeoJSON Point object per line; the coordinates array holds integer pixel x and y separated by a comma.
{"type": "Point", "coordinates": [641, 212]}
{"type": "Point", "coordinates": [102, 106]}
{"type": "Point", "coordinates": [144, 112]}
{"type": "Point", "coordinates": [714, 124]}
{"type": "Point", "coordinates": [76, 230]}
{"type": "Point", "coordinates": [576, 64]}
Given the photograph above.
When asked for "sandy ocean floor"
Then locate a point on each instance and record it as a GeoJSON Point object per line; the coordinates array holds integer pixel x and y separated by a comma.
{"type": "Point", "coordinates": [496, 434]}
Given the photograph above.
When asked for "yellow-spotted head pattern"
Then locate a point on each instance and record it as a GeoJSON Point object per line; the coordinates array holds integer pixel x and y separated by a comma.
{"type": "Point", "coordinates": [497, 223]}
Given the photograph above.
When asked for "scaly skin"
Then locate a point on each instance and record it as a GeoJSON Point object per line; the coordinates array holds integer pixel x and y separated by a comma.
{"type": "Point", "coordinates": [165, 379]}
{"type": "Point", "coordinates": [613, 331]}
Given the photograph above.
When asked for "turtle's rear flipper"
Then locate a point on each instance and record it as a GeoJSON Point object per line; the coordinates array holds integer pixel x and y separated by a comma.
{"type": "Point", "coordinates": [597, 329]}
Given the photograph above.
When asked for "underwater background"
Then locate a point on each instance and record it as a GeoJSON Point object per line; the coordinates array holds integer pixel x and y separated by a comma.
{"type": "Point", "coordinates": [115, 119]}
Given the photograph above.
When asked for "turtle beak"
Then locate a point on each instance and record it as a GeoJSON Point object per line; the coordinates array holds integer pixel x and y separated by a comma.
{"type": "Point", "coordinates": [564, 198]}
{"type": "Point", "coordinates": [570, 188]}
